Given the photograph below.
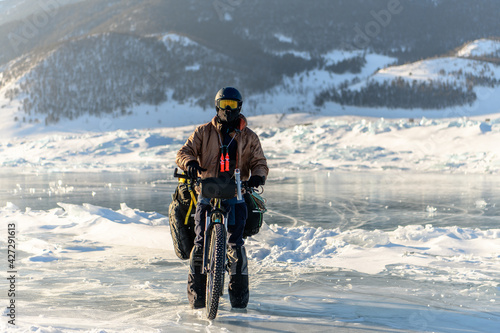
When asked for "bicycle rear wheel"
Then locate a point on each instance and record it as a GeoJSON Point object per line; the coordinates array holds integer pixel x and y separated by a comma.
{"type": "Point", "coordinates": [215, 271]}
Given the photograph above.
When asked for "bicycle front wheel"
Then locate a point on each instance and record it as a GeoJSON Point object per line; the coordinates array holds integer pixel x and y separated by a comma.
{"type": "Point", "coordinates": [215, 271]}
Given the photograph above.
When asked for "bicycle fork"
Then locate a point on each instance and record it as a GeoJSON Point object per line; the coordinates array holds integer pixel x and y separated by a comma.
{"type": "Point", "coordinates": [216, 216]}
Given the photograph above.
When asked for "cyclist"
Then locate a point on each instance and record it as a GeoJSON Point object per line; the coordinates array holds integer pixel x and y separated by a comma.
{"type": "Point", "coordinates": [216, 149]}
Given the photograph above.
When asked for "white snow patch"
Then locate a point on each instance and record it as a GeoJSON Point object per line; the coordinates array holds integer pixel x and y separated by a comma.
{"type": "Point", "coordinates": [194, 67]}
{"type": "Point", "coordinates": [170, 39]}
{"type": "Point", "coordinates": [92, 228]}
{"type": "Point", "coordinates": [284, 39]}
{"type": "Point", "coordinates": [480, 48]}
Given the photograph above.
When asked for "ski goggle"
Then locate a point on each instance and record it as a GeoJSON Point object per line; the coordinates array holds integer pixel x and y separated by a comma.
{"type": "Point", "coordinates": [225, 103]}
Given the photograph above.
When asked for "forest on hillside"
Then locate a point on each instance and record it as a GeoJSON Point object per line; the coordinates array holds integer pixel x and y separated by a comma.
{"type": "Point", "coordinates": [400, 93]}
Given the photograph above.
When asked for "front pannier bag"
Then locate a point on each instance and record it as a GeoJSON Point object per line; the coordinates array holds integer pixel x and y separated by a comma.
{"type": "Point", "coordinates": [181, 218]}
{"type": "Point", "coordinates": [256, 207]}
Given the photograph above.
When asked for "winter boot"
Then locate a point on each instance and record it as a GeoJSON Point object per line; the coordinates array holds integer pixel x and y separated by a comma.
{"type": "Point", "coordinates": [238, 281]}
{"type": "Point", "coordinates": [197, 282]}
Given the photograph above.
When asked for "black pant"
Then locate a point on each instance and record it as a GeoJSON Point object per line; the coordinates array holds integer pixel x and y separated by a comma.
{"type": "Point", "coordinates": [237, 258]}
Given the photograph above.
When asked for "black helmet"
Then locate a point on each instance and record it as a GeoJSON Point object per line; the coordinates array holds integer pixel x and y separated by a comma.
{"type": "Point", "coordinates": [230, 108]}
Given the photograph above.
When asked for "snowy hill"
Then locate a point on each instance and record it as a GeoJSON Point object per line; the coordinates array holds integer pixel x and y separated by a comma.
{"type": "Point", "coordinates": [114, 72]}
{"type": "Point", "coordinates": [49, 91]}
{"type": "Point", "coordinates": [114, 60]}
{"type": "Point", "coordinates": [280, 26]}
{"type": "Point", "coordinates": [470, 83]}
{"type": "Point", "coordinates": [483, 48]}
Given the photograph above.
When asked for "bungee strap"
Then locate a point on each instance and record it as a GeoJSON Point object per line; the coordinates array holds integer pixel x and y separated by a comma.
{"type": "Point", "coordinates": [191, 205]}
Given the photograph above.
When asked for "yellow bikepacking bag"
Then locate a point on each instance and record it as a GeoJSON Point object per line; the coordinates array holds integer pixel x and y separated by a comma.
{"type": "Point", "coordinates": [181, 218]}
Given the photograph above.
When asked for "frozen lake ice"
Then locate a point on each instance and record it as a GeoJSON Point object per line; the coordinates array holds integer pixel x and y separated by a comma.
{"type": "Point", "coordinates": [345, 200]}
{"type": "Point", "coordinates": [345, 252]}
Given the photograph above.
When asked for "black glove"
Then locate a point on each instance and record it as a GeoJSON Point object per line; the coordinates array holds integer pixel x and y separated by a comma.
{"type": "Point", "coordinates": [256, 181]}
{"type": "Point", "coordinates": [192, 169]}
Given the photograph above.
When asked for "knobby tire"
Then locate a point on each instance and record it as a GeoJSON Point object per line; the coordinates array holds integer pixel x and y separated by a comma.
{"type": "Point", "coordinates": [215, 273]}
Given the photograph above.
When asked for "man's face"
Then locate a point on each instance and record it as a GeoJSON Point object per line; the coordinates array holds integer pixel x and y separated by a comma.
{"type": "Point", "coordinates": [228, 115]}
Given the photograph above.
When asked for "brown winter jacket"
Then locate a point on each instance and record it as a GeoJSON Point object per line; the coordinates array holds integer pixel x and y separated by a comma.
{"type": "Point", "coordinates": [204, 146]}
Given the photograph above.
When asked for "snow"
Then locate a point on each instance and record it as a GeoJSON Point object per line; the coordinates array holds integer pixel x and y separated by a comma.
{"type": "Point", "coordinates": [297, 93]}
{"type": "Point", "coordinates": [447, 69]}
{"type": "Point", "coordinates": [194, 67]}
{"type": "Point", "coordinates": [284, 39]}
{"type": "Point", "coordinates": [440, 69]}
{"type": "Point", "coordinates": [335, 56]}
{"type": "Point", "coordinates": [304, 246]}
{"type": "Point", "coordinates": [171, 39]}
{"type": "Point", "coordinates": [74, 238]}
{"type": "Point", "coordinates": [298, 141]}
{"type": "Point", "coordinates": [298, 54]}
{"type": "Point", "coordinates": [480, 48]}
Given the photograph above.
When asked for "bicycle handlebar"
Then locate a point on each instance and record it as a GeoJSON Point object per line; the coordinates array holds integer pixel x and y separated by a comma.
{"type": "Point", "coordinates": [180, 175]}
{"type": "Point", "coordinates": [244, 184]}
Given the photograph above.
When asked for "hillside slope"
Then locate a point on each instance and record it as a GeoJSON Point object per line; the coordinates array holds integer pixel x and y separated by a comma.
{"type": "Point", "coordinates": [128, 82]}
{"type": "Point", "coordinates": [468, 79]}
{"type": "Point", "coordinates": [148, 60]}
{"type": "Point", "coordinates": [313, 27]}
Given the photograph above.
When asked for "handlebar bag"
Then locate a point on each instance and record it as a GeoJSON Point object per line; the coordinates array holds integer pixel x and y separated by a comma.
{"type": "Point", "coordinates": [221, 188]}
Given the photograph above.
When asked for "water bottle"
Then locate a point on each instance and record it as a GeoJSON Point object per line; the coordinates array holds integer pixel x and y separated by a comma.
{"type": "Point", "coordinates": [238, 184]}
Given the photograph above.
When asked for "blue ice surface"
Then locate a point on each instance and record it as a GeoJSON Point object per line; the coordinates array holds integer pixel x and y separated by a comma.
{"type": "Point", "coordinates": [155, 140]}
{"type": "Point", "coordinates": [485, 127]}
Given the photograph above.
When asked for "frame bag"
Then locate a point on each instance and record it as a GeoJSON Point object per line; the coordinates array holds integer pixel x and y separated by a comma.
{"type": "Point", "coordinates": [256, 207]}
{"type": "Point", "coordinates": [181, 218]}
